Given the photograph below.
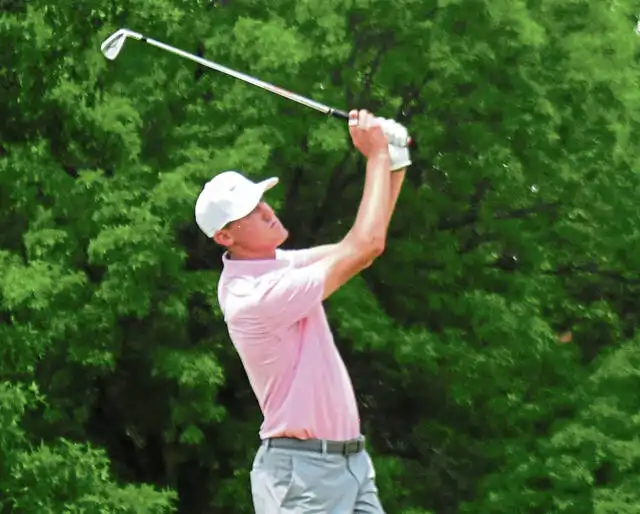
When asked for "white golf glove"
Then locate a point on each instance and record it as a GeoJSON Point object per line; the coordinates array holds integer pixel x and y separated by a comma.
{"type": "Point", "coordinates": [397, 135]}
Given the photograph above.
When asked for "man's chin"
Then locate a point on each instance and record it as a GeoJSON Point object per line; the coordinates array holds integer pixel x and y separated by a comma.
{"type": "Point", "coordinates": [284, 237]}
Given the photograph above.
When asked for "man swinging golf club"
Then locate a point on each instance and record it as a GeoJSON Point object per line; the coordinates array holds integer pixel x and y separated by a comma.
{"type": "Point", "coordinates": [312, 458]}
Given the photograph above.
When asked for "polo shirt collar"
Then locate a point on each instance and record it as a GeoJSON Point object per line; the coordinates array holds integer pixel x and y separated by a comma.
{"type": "Point", "coordinates": [253, 267]}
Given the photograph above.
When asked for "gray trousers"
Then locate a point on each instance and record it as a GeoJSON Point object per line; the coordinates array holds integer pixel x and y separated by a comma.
{"type": "Point", "coordinates": [297, 481]}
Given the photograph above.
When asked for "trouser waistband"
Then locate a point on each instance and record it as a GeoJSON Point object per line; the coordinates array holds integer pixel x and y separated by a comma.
{"type": "Point", "coordinates": [349, 447]}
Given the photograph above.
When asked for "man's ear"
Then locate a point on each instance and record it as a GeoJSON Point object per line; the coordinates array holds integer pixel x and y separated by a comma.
{"type": "Point", "coordinates": [223, 237]}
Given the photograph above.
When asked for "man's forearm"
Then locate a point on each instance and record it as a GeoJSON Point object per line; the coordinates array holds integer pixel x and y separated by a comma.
{"type": "Point", "coordinates": [395, 186]}
{"type": "Point", "coordinates": [308, 256]}
{"type": "Point", "coordinates": [370, 225]}
{"type": "Point", "coordinates": [397, 179]}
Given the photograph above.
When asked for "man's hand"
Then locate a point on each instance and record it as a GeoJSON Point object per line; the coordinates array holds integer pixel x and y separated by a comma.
{"type": "Point", "coordinates": [367, 135]}
{"type": "Point", "coordinates": [396, 132]}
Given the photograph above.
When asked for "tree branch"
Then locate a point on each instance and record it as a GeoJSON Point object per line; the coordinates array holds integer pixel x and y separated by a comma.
{"type": "Point", "coordinates": [481, 189]}
{"type": "Point", "coordinates": [373, 67]}
{"type": "Point", "coordinates": [351, 61]}
{"type": "Point", "coordinates": [413, 95]}
{"type": "Point", "coordinates": [471, 216]}
{"type": "Point", "coordinates": [331, 193]}
{"type": "Point", "coordinates": [592, 269]}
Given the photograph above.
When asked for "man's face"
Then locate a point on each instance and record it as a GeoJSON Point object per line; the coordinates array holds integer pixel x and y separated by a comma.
{"type": "Point", "coordinates": [259, 231]}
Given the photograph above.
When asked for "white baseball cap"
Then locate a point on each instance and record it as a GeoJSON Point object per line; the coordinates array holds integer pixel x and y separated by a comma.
{"type": "Point", "coordinates": [228, 197]}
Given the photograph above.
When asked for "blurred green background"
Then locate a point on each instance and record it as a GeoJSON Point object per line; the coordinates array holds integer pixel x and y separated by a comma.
{"type": "Point", "coordinates": [493, 346]}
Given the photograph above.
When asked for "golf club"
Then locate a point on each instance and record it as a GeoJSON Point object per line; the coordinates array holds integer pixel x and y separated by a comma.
{"type": "Point", "coordinates": [112, 46]}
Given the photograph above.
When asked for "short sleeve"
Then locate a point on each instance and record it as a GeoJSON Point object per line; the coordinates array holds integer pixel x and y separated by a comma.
{"type": "Point", "coordinates": [290, 296]}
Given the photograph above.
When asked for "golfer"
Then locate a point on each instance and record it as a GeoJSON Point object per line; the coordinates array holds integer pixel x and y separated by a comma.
{"type": "Point", "coordinates": [312, 458]}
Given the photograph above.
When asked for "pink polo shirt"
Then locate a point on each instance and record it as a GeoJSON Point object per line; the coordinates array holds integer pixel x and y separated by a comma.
{"type": "Point", "coordinates": [276, 320]}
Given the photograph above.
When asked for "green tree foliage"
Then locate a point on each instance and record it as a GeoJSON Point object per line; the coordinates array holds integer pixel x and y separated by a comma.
{"type": "Point", "coordinates": [63, 476]}
{"type": "Point", "coordinates": [589, 462]}
{"type": "Point", "coordinates": [119, 388]}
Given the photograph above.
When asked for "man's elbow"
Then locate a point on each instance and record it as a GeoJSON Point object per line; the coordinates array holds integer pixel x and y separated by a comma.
{"type": "Point", "coordinates": [377, 248]}
{"type": "Point", "coordinates": [365, 249]}
{"type": "Point", "coordinates": [372, 250]}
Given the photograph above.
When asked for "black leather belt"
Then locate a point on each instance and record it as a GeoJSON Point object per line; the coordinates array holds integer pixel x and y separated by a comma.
{"type": "Point", "coordinates": [350, 447]}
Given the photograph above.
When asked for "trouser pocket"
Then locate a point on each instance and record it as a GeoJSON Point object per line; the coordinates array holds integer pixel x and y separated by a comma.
{"type": "Point", "coordinates": [271, 480]}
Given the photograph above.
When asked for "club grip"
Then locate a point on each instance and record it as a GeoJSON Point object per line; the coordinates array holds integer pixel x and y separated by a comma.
{"type": "Point", "coordinates": [337, 113]}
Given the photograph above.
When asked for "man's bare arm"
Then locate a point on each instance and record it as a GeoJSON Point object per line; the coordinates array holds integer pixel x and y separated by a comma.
{"type": "Point", "coordinates": [400, 159]}
{"type": "Point", "coordinates": [308, 256]}
{"type": "Point", "coordinates": [397, 179]}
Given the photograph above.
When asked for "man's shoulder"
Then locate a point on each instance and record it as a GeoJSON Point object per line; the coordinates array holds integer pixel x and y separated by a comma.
{"type": "Point", "coordinates": [243, 294]}
{"type": "Point", "coordinates": [268, 298]}
{"type": "Point", "coordinates": [251, 285]}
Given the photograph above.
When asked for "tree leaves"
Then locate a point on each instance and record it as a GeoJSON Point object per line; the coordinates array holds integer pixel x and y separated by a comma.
{"type": "Point", "coordinates": [518, 224]}
{"type": "Point", "coordinates": [66, 476]}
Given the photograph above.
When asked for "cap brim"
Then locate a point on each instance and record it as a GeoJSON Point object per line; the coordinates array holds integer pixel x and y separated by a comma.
{"type": "Point", "coordinates": [268, 183]}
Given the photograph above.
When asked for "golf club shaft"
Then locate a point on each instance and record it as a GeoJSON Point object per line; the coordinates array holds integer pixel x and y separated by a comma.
{"type": "Point", "coordinates": [325, 109]}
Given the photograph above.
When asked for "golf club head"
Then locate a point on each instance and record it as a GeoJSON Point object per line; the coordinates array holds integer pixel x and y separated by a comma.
{"type": "Point", "coordinates": [113, 44]}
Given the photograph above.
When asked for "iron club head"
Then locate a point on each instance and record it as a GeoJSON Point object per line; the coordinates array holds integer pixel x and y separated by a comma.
{"type": "Point", "coordinates": [113, 44]}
